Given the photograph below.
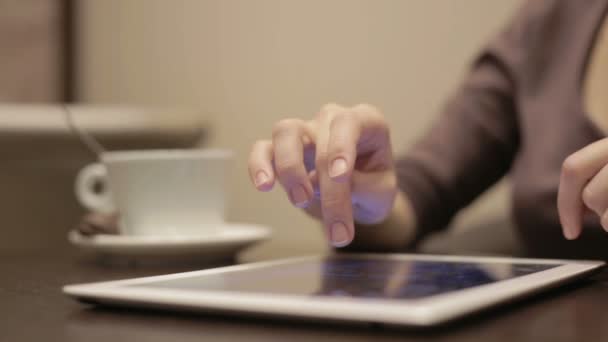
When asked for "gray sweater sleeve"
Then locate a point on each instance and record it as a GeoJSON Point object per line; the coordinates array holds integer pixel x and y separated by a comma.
{"type": "Point", "coordinates": [475, 139]}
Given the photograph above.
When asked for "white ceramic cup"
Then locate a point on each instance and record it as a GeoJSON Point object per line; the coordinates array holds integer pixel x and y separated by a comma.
{"type": "Point", "coordinates": [158, 192]}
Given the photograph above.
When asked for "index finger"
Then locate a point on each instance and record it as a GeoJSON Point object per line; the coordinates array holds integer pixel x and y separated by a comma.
{"type": "Point", "coordinates": [336, 204]}
{"type": "Point", "coordinates": [577, 170]}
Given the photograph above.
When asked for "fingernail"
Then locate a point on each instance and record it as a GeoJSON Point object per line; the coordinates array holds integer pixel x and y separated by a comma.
{"type": "Point", "coordinates": [299, 196]}
{"type": "Point", "coordinates": [261, 178]}
{"type": "Point", "coordinates": [338, 167]}
{"type": "Point", "coordinates": [339, 234]}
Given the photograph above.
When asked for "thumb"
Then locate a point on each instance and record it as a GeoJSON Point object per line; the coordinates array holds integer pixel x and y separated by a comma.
{"type": "Point", "coordinates": [373, 194]}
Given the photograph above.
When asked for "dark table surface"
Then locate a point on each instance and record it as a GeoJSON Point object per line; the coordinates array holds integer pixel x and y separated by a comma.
{"type": "Point", "coordinates": [32, 308]}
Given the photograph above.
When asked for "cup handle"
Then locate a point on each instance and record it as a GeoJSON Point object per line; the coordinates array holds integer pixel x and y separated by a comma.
{"type": "Point", "coordinates": [96, 200]}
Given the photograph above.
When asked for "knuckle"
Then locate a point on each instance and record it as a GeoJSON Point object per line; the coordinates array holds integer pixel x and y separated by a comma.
{"type": "Point", "coordinates": [337, 148]}
{"type": "Point", "coordinates": [572, 167]}
{"type": "Point", "coordinates": [285, 125]}
{"type": "Point", "coordinates": [328, 110]}
{"type": "Point", "coordinates": [331, 202]}
{"type": "Point", "coordinates": [328, 107]}
{"type": "Point", "coordinates": [311, 125]}
{"type": "Point", "coordinates": [322, 159]}
{"type": "Point", "coordinates": [322, 115]}
{"type": "Point", "coordinates": [374, 114]}
{"type": "Point", "coordinates": [381, 120]}
{"type": "Point", "coordinates": [367, 108]}
{"type": "Point", "coordinates": [342, 118]}
{"type": "Point", "coordinates": [286, 168]}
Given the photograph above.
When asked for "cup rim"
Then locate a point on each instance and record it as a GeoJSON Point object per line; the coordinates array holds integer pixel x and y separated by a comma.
{"type": "Point", "coordinates": [165, 154]}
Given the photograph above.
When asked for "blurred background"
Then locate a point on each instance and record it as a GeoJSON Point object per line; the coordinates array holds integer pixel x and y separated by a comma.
{"type": "Point", "coordinates": [233, 68]}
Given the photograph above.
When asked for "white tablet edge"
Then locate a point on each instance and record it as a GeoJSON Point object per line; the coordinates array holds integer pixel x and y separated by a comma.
{"type": "Point", "coordinates": [422, 312]}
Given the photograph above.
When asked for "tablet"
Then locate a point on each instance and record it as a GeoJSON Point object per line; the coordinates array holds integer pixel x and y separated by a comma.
{"type": "Point", "coordinates": [402, 289]}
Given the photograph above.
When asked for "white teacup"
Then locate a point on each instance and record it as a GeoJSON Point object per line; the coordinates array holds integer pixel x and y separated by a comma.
{"type": "Point", "coordinates": [158, 192]}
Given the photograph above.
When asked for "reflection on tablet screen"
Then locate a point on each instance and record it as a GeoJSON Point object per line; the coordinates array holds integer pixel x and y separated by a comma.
{"type": "Point", "coordinates": [353, 277]}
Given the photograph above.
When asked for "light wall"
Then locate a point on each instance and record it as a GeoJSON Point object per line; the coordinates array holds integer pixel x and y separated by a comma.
{"type": "Point", "coordinates": [249, 63]}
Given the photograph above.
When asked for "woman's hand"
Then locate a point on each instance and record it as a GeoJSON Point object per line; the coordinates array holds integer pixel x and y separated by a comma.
{"type": "Point", "coordinates": [584, 187]}
{"type": "Point", "coordinates": [338, 167]}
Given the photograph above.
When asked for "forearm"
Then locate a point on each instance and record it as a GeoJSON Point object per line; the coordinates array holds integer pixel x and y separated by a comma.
{"type": "Point", "coordinates": [395, 234]}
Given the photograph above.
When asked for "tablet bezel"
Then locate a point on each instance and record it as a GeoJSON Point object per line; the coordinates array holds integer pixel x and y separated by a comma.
{"type": "Point", "coordinates": [417, 312]}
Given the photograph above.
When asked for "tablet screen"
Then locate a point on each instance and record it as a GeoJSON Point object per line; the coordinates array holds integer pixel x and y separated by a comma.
{"type": "Point", "coordinates": [356, 277]}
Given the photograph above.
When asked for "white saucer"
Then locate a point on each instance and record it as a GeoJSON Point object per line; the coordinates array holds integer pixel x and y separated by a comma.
{"type": "Point", "coordinates": [224, 244]}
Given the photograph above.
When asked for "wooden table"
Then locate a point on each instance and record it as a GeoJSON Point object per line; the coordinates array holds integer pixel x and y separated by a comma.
{"type": "Point", "coordinates": [32, 308]}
